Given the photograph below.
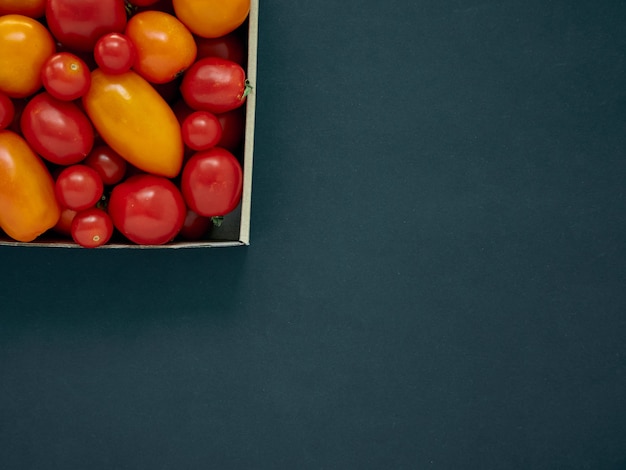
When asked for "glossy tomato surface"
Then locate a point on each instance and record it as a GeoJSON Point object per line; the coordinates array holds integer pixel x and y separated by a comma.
{"type": "Point", "coordinates": [201, 130]}
{"type": "Point", "coordinates": [115, 53]}
{"type": "Point", "coordinates": [65, 76]}
{"type": "Point", "coordinates": [91, 228]}
{"type": "Point", "coordinates": [108, 163]}
{"type": "Point", "coordinates": [212, 18]}
{"type": "Point", "coordinates": [212, 182]}
{"type": "Point", "coordinates": [78, 24]}
{"type": "Point", "coordinates": [78, 187]}
{"type": "Point", "coordinates": [147, 209]}
{"type": "Point", "coordinates": [57, 130]}
{"type": "Point", "coordinates": [214, 84]}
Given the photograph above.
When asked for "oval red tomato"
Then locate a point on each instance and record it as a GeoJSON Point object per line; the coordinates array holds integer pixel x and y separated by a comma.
{"type": "Point", "coordinates": [57, 130]}
{"type": "Point", "coordinates": [212, 182]}
{"type": "Point", "coordinates": [147, 209]}
{"type": "Point", "coordinates": [78, 24]}
{"type": "Point", "coordinates": [214, 84]}
{"type": "Point", "coordinates": [78, 187]}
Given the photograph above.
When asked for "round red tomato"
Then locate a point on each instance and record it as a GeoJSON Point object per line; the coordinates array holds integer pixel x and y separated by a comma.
{"type": "Point", "coordinates": [201, 130]}
{"type": "Point", "coordinates": [78, 187]}
{"type": "Point", "coordinates": [215, 85]}
{"type": "Point", "coordinates": [91, 228]}
{"type": "Point", "coordinates": [108, 163]}
{"type": "Point", "coordinates": [57, 130]}
{"type": "Point", "coordinates": [147, 209]}
{"type": "Point", "coordinates": [65, 76]}
{"type": "Point", "coordinates": [7, 111]}
{"type": "Point", "coordinates": [78, 24]}
{"type": "Point", "coordinates": [115, 53]}
{"type": "Point", "coordinates": [212, 182]}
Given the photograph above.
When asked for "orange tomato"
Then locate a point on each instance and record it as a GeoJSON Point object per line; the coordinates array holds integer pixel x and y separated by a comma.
{"type": "Point", "coordinates": [135, 121]}
{"type": "Point", "coordinates": [32, 8]}
{"type": "Point", "coordinates": [25, 44]}
{"type": "Point", "coordinates": [164, 46]}
{"type": "Point", "coordinates": [28, 206]}
{"type": "Point", "coordinates": [212, 18]}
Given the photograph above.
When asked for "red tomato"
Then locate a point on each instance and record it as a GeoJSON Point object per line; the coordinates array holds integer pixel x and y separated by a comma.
{"type": "Point", "coordinates": [230, 46]}
{"type": "Point", "coordinates": [7, 111]}
{"type": "Point", "coordinates": [57, 130]}
{"type": "Point", "coordinates": [79, 23]}
{"type": "Point", "coordinates": [91, 228]}
{"type": "Point", "coordinates": [64, 225]}
{"type": "Point", "coordinates": [215, 85]}
{"type": "Point", "coordinates": [195, 226]}
{"type": "Point", "coordinates": [212, 182]}
{"type": "Point", "coordinates": [108, 163]}
{"type": "Point", "coordinates": [78, 187]}
{"type": "Point", "coordinates": [115, 53]}
{"type": "Point", "coordinates": [201, 130]}
{"type": "Point", "coordinates": [65, 76]}
{"type": "Point", "coordinates": [147, 209]}
{"type": "Point", "coordinates": [233, 128]}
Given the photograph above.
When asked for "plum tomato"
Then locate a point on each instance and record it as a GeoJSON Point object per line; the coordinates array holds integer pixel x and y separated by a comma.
{"type": "Point", "coordinates": [78, 24]}
{"type": "Point", "coordinates": [65, 76]}
{"type": "Point", "coordinates": [78, 187]}
{"type": "Point", "coordinates": [165, 47]}
{"type": "Point", "coordinates": [212, 18]}
{"type": "Point", "coordinates": [7, 111]}
{"type": "Point", "coordinates": [108, 163]}
{"type": "Point", "coordinates": [214, 84]}
{"type": "Point", "coordinates": [25, 44]}
{"type": "Point", "coordinates": [211, 182]}
{"type": "Point", "coordinates": [91, 228]}
{"type": "Point", "coordinates": [57, 130]}
{"type": "Point", "coordinates": [201, 130]}
{"type": "Point", "coordinates": [147, 209]}
{"type": "Point", "coordinates": [115, 53]}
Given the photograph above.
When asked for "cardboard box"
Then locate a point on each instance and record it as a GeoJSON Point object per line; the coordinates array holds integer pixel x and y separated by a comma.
{"type": "Point", "coordinates": [235, 229]}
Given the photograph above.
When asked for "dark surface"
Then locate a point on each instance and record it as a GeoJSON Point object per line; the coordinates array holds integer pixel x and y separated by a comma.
{"type": "Point", "coordinates": [436, 277]}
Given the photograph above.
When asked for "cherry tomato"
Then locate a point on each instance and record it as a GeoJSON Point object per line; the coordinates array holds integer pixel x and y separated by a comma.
{"type": "Point", "coordinates": [233, 128]}
{"type": "Point", "coordinates": [215, 85]}
{"type": "Point", "coordinates": [28, 207]}
{"type": "Point", "coordinates": [31, 8]}
{"type": "Point", "coordinates": [65, 76]}
{"type": "Point", "coordinates": [25, 44]}
{"type": "Point", "coordinates": [135, 121]}
{"type": "Point", "coordinates": [78, 24]}
{"type": "Point", "coordinates": [57, 130]}
{"type": "Point", "coordinates": [147, 209]}
{"type": "Point", "coordinates": [212, 182]}
{"type": "Point", "coordinates": [64, 225]}
{"type": "Point", "coordinates": [108, 163]}
{"type": "Point", "coordinates": [91, 228]}
{"type": "Point", "coordinates": [230, 47]}
{"type": "Point", "coordinates": [201, 130]}
{"type": "Point", "coordinates": [78, 187]}
{"type": "Point", "coordinates": [115, 53]}
{"type": "Point", "coordinates": [212, 18]}
{"type": "Point", "coordinates": [195, 226]}
{"type": "Point", "coordinates": [165, 47]}
{"type": "Point", "coordinates": [7, 111]}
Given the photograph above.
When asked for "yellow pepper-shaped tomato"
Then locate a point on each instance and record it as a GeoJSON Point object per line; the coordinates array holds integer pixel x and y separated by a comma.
{"type": "Point", "coordinates": [28, 206]}
{"type": "Point", "coordinates": [131, 116]}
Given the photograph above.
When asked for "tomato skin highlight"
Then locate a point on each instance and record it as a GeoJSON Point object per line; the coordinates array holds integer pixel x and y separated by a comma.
{"type": "Point", "coordinates": [214, 84]}
{"type": "Point", "coordinates": [28, 206]}
{"type": "Point", "coordinates": [115, 53]}
{"type": "Point", "coordinates": [78, 187]}
{"type": "Point", "coordinates": [147, 209]}
{"type": "Point", "coordinates": [57, 130]}
{"type": "Point", "coordinates": [91, 228]}
{"type": "Point", "coordinates": [135, 121]}
{"type": "Point", "coordinates": [65, 76]}
{"type": "Point", "coordinates": [212, 182]}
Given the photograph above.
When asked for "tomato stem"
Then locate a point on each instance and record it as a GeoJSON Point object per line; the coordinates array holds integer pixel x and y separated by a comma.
{"type": "Point", "coordinates": [247, 89]}
{"type": "Point", "coordinates": [217, 220]}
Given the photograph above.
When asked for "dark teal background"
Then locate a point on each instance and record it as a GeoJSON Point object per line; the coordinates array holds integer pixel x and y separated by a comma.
{"type": "Point", "coordinates": [436, 277]}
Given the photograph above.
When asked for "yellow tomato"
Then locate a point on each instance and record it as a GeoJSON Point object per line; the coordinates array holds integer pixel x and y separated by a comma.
{"type": "Point", "coordinates": [25, 44]}
{"type": "Point", "coordinates": [28, 206]}
{"type": "Point", "coordinates": [136, 122]}
{"type": "Point", "coordinates": [212, 18]}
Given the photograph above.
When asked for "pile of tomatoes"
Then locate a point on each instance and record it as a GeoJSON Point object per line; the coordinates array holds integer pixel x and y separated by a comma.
{"type": "Point", "coordinates": [120, 118]}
